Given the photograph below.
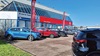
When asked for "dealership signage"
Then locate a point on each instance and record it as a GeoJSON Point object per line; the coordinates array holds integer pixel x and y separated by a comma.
{"type": "Point", "coordinates": [25, 15]}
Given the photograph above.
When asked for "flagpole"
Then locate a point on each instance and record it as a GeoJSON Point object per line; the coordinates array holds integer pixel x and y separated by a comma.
{"type": "Point", "coordinates": [33, 14]}
{"type": "Point", "coordinates": [64, 16]}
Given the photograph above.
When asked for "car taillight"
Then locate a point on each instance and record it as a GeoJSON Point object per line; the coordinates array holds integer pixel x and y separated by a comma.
{"type": "Point", "coordinates": [81, 41]}
{"type": "Point", "coordinates": [81, 44]}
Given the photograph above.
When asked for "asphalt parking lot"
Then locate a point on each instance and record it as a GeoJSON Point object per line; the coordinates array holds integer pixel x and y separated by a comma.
{"type": "Point", "coordinates": [46, 47]}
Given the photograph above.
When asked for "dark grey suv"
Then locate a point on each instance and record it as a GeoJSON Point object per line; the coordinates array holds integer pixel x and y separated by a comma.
{"type": "Point", "coordinates": [86, 43]}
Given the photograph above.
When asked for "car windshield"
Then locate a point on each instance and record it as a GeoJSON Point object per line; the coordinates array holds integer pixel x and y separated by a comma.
{"type": "Point", "coordinates": [53, 29]}
{"type": "Point", "coordinates": [40, 28]}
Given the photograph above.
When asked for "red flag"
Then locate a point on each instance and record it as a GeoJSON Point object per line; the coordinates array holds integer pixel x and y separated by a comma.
{"type": "Point", "coordinates": [33, 14]}
{"type": "Point", "coordinates": [64, 16]}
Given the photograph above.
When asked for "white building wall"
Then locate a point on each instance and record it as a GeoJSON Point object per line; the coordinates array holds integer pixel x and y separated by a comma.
{"type": "Point", "coordinates": [8, 15]}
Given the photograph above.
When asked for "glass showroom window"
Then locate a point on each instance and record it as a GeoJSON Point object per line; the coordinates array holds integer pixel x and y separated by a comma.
{"type": "Point", "coordinates": [43, 25]}
{"type": "Point", "coordinates": [28, 10]}
{"type": "Point", "coordinates": [38, 24]}
{"type": "Point", "coordinates": [55, 26]}
{"type": "Point", "coordinates": [48, 25]}
{"type": "Point", "coordinates": [2, 24]}
{"type": "Point", "coordinates": [20, 7]}
{"type": "Point", "coordinates": [25, 8]}
{"type": "Point", "coordinates": [7, 23]}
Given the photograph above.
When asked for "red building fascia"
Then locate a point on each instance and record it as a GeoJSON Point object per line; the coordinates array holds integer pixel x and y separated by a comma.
{"type": "Point", "coordinates": [44, 19]}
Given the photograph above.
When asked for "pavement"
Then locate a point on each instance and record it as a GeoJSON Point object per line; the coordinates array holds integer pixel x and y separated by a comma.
{"type": "Point", "coordinates": [46, 47]}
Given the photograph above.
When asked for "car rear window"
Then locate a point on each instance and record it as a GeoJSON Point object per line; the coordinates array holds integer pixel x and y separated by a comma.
{"type": "Point", "coordinates": [80, 35]}
{"type": "Point", "coordinates": [90, 35]}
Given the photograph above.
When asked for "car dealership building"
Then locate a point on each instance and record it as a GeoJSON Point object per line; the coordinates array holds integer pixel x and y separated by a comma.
{"type": "Point", "coordinates": [18, 14]}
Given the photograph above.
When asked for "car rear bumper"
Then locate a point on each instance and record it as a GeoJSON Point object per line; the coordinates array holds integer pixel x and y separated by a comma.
{"type": "Point", "coordinates": [79, 51]}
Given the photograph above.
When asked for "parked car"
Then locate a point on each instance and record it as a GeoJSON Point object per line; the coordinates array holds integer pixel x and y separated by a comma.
{"type": "Point", "coordinates": [86, 43]}
{"type": "Point", "coordinates": [24, 33]}
{"type": "Point", "coordinates": [47, 32]}
{"type": "Point", "coordinates": [72, 32]}
{"type": "Point", "coordinates": [60, 32]}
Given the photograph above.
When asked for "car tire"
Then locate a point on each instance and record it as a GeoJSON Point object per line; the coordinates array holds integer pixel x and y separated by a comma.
{"type": "Point", "coordinates": [9, 38]}
{"type": "Point", "coordinates": [30, 38]}
{"type": "Point", "coordinates": [62, 34]}
{"type": "Point", "coordinates": [52, 36]}
{"type": "Point", "coordinates": [94, 53]}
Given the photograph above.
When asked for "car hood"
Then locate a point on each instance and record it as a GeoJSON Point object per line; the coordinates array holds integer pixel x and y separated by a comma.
{"type": "Point", "coordinates": [36, 32]}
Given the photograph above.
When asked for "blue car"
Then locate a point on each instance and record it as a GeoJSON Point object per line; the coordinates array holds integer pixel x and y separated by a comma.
{"type": "Point", "coordinates": [23, 33]}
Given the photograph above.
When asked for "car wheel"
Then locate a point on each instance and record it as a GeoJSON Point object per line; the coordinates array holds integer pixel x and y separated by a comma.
{"type": "Point", "coordinates": [62, 34]}
{"type": "Point", "coordinates": [95, 53]}
{"type": "Point", "coordinates": [52, 36]}
{"type": "Point", "coordinates": [30, 38]}
{"type": "Point", "coordinates": [9, 38]}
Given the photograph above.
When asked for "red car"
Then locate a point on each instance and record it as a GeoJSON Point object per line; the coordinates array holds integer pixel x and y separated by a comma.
{"type": "Point", "coordinates": [47, 32]}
